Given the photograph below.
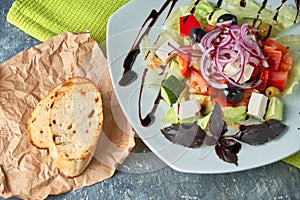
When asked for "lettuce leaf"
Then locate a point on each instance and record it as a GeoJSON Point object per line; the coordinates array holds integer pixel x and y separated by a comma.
{"type": "Point", "coordinates": [234, 114]}
{"type": "Point", "coordinates": [171, 118]}
{"type": "Point", "coordinates": [285, 18]}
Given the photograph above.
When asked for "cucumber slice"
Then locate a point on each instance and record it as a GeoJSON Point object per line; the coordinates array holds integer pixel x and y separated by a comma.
{"type": "Point", "coordinates": [174, 70]}
{"type": "Point", "coordinates": [275, 109]}
{"type": "Point", "coordinates": [171, 89]}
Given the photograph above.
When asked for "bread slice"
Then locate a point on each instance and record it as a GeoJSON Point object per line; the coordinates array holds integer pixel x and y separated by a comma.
{"type": "Point", "coordinates": [74, 124]}
{"type": "Point", "coordinates": [38, 131]}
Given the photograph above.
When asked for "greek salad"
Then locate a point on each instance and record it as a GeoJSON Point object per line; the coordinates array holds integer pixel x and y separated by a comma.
{"type": "Point", "coordinates": [224, 68]}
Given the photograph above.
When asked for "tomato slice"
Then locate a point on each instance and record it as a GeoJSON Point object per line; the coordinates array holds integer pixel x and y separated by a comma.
{"type": "Point", "coordinates": [273, 56]}
{"type": "Point", "coordinates": [286, 63]}
{"type": "Point", "coordinates": [222, 101]}
{"type": "Point", "coordinates": [184, 64]}
{"type": "Point", "coordinates": [197, 83]}
{"type": "Point", "coordinates": [278, 79]}
{"type": "Point", "coordinates": [187, 23]}
{"type": "Point", "coordinates": [264, 76]}
{"type": "Point", "coordinates": [209, 28]}
{"type": "Point", "coordinates": [276, 45]}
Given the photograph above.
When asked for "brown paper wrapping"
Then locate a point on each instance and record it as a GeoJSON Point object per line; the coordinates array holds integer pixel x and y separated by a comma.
{"type": "Point", "coordinates": [26, 171]}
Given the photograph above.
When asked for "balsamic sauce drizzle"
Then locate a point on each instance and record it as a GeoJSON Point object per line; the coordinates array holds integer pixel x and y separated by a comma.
{"type": "Point", "coordinates": [297, 13]}
{"type": "Point", "coordinates": [219, 3]}
{"type": "Point", "coordinates": [130, 76]}
{"type": "Point", "coordinates": [149, 118]}
{"type": "Point", "coordinates": [263, 5]}
{"type": "Point", "coordinates": [278, 9]}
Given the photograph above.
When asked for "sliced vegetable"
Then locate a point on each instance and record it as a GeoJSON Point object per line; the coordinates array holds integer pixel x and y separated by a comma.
{"type": "Point", "coordinates": [275, 109]}
{"type": "Point", "coordinates": [209, 27]}
{"type": "Point", "coordinates": [272, 92]}
{"type": "Point", "coordinates": [233, 94]}
{"type": "Point", "coordinates": [227, 17]}
{"type": "Point", "coordinates": [273, 56]}
{"type": "Point", "coordinates": [197, 83]}
{"type": "Point", "coordinates": [203, 122]}
{"type": "Point", "coordinates": [276, 45]}
{"type": "Point", "coordinates": [196, 34]}
{"type": "Point", "coordinates": [264, 77]}
{"type": "Point", "coordinates": [234, 114]}
{"type": "Point", "coordinates": [174, 70]}
{"type": "Point", "coordinates": [278, 79]}
{"type": "Point", "coordinates": [264, 30]}
{"type": "Point", "coordinates": [286, 63]}
{"type": "Point", "coordinates": [222, 101]}
{"type": "Point", "coordinates": [183, 64]}
{"type": "Point", "coordinates": [171, 118]}
{"type": "Point", "coordinates": [187, 23]}
{"type": "Point", "coordinates": [171, 89]}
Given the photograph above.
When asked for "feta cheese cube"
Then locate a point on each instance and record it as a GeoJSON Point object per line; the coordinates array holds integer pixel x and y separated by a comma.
{"type": "Point", "coordinates": [163, 52]}
{"type": "Point", "coordinates": [230, 69]}
{"type": "Point", "coordinates": [187, 109]}
{"type": "Point", "coordinates": [257, 105]}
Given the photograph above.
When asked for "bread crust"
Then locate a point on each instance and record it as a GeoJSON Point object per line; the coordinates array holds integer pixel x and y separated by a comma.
{"type": "Point", "coordinates": [38, 132]}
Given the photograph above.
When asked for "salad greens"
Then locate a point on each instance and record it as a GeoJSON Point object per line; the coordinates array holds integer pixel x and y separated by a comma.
{"type": "Point", "coordinates": [285, 18]}
{"type": "Point", "coordinates": [237, 54]}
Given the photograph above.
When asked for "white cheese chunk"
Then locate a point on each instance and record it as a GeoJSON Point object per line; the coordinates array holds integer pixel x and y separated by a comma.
{"type": "Point", "coordinates": [163, 52]}
{"type": "Point", "coordinates": [187, 109]}
{"type": "Point", "coordinates": [257, 105]}
{"type": "Point", "coordinates": [231, 69]}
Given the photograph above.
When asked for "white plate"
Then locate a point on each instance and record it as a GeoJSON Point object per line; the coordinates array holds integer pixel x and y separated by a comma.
{"type": "Point", "coordinates": [122, 30]}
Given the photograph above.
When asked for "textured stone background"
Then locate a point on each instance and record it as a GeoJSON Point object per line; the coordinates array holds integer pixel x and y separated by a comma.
{"type": "Point", "coordinates": [144, 176]}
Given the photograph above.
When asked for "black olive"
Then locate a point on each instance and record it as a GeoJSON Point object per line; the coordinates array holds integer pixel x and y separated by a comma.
{"type": "Point", "coordinates": [233, 94]}
{"type": "Point", "coordinates": [227, 17]}
{"type": "Point", "coordinates": [196, 34]}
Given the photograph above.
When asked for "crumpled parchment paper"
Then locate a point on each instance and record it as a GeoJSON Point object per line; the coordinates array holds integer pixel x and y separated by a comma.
{"type": "Point", "coordinates": [26, 171]}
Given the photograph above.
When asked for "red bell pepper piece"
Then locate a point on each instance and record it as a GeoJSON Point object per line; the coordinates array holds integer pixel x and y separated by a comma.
{"type": "Point", "coordinates": [187, 23]}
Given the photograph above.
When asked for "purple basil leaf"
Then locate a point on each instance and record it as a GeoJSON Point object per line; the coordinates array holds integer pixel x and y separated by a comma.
{"type": "Point", "coordinates": [217, 125]}
{"type": "Point", "coordinates": [257, 134]}
{"type": "Point", "coordinates": [188, 135]}
{"type": "Point", "coordinates": [227, 150]}
{"type": "Point", "coordinates": [210, 141]}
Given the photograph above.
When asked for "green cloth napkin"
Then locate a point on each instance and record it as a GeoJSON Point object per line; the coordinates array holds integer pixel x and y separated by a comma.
{"type": "Point", "coordinates": [294, 159]}
{"type": "Point", "coordinates": [44, 19]}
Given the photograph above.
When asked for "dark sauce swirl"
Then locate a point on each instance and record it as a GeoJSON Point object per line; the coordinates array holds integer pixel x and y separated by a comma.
{"type": "Point", "coordinates": [149, 118]}
{"type": "Point", "coordinates": [129, 75]}
{"type": "Point", "coordinates": [278, 9]}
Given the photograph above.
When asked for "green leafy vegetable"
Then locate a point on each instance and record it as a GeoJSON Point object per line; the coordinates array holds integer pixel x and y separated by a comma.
{"type": "Point", "coordinates": [285, 18]}
{"type": "Point", "coordinates": [234, 114]}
